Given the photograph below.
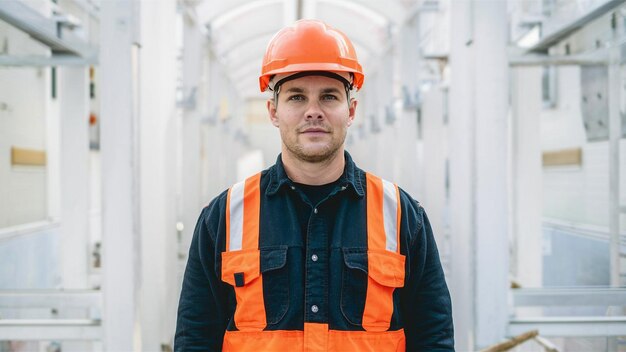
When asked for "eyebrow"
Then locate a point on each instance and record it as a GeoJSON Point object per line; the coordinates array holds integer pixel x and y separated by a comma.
{"type": "Point", "coordinates": [331, 90]}
{"type": "Point", "coordinates": [324, 91]}
{"type": "Point", "coordinates": [295, 90]}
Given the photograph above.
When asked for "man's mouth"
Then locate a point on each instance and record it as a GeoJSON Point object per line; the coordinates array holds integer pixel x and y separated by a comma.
{"type": "Point", "coordinates": [314, 130]}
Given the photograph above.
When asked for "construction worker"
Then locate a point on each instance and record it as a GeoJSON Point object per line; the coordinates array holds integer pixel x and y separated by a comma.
{"type": "Point", "coordinates": [313, 254]}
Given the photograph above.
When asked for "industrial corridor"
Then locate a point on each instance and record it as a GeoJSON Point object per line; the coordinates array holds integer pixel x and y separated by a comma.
{"type": "Point", "coordinates": [122, 120]}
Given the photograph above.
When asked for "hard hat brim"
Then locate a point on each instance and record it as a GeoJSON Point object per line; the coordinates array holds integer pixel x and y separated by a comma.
{"type": "Point", "coordinates": [264, 80]}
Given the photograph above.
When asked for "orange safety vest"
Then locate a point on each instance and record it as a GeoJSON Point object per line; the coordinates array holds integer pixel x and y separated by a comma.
{"type": "Point", "coordinates": [241, 269]}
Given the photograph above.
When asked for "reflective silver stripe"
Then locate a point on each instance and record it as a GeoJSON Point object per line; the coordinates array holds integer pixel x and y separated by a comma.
{"type": "Point", "coordinates": [390, 215]}
{"type": "Point", "coordinates": [236, 216]}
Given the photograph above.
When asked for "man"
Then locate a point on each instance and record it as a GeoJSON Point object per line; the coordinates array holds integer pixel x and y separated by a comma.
{"type": "Point", "coordinates": [313, 254]}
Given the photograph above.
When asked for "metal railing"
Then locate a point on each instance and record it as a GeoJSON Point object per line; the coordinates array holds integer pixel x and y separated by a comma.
{"type": "Point", "coordinates": [566, 326]}
{"type": "Point", "coordinates": [52, 328]}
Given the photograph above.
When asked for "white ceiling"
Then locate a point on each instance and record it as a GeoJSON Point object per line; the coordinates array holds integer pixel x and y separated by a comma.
{"type": "Point", "coordinates": [240, 30]}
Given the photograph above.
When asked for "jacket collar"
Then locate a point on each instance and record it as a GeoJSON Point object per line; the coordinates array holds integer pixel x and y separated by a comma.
{"type": "Point", "coordinates": [351, 177]}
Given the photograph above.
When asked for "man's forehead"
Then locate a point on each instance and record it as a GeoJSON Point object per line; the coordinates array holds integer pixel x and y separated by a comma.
{"type": "Point", "coordinates": [304, 83]}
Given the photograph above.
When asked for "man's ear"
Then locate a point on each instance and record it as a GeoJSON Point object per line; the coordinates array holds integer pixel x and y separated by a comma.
{"type": "Point", "coordinates": [271, 110]}
{"type": "Point", "coordinates": [352, 110]}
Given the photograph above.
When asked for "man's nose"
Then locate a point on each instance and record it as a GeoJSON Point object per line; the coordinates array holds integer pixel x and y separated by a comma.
{"type": "Point", "coordinates": [314, 111]}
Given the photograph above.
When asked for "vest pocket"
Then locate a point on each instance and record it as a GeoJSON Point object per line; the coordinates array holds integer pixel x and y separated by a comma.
{"type": "Point", "coordinates": [354, 284]}
{"type": "Point", "coordinates": [276, 282]}
{"type": "Point", "coordinates": [369, 279]}
{"type": "Point", "coordinates": [386, 268]}
{"type": "Point", "coordinates": [241, 269]}
{"type": "Point", "coordinates": [385, 273]}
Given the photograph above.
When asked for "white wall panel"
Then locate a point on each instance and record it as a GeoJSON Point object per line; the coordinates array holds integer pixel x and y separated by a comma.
{"type": "Point", "coordinates": [22, 124]}
{"type": "Point", "coordinates": [576, 193]}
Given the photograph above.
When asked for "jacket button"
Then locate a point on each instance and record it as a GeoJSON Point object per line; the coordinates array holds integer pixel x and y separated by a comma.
{"type": "Point", "coordinates": [315, 210]}
{"type": "Point", "coordinates": [314, 309]}
{"type": "Point", "coordinates": [314, 257]}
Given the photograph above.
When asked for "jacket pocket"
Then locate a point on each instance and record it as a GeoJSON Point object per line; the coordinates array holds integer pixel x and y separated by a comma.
{"type": "Point", "coordinates": [241, 269]}
{"type": "Point", "coordinates": [276, 282]}
{"type": "Point", "coordinates": [354, 284]}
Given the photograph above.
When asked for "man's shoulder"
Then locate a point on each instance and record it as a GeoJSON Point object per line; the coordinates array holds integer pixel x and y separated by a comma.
{"type": "Point", "coordinates": [412, 207]}
{"type": "Point", "coordinates": [218, 203]}
{"type": "Point", "coordinates": [211, 213]}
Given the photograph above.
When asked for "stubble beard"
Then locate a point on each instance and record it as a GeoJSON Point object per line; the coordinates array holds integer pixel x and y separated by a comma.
{"type": "Point", "coordinates": [326, 154]}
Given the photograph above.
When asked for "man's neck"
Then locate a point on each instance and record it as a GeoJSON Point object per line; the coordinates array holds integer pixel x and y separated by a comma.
{"type": "Point", "coordinates": [314, 174]}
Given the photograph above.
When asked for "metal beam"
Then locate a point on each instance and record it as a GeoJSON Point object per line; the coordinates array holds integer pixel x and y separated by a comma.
{"type": "Point", "coordinates": [570, 326]}
{"type": "Point", "coordinates": [45, 30]}
{"type": "Point", "coordinates": [561, 33]}
{"type": "Point", "coordinates": [46, 61]}
{"type": "Point", "coordinates": [594, 232]}
{"type": "Point", "coordinates": [569, 297]}
{"type": "Point", "coordinates": [28, 229]}
{"type": "Point", "coordinates": [50, 329]}
{"type": "Point", "coordinates": [596, 58]}
{"type": "Point", "coordinates": [50, 298]}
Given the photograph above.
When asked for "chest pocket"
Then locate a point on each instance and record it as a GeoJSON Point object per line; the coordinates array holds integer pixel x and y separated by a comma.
{"type": "Point", "coordinates": [385, 274]}
{"type": "Point", "coordinates": [369, 280]}
{"type": "Point", "coordinates": [241, 270]}
{"type": "Point", "coordinates": [251, 272]}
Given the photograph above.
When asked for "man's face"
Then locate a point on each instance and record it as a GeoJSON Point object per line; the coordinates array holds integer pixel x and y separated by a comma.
{"type": "Point", "coordinates": [313, 116]}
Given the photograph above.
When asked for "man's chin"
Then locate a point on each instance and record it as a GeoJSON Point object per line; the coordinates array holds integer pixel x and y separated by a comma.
{"type": "Point", "coordinates": [316, 156]}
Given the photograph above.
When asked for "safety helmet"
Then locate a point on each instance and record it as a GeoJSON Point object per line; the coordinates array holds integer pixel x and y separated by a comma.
{"type": "Point", "coordinates": [310, 45]}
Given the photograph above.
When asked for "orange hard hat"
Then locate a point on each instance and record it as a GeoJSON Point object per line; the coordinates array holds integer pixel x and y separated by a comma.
{"type": "Point", "coordinates": [310, 45]}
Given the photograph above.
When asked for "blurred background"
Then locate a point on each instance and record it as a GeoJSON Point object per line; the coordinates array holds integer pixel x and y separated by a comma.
{"type": "Point", "coordinates": [120, 120]}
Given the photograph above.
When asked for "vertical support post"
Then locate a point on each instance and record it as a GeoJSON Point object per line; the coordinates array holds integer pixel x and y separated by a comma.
{"type": "Point", "coordinates": [479, 172]}
{"type": "Point", "coordinates": [434, 158]}
{"type": "Point", "coordinates": [491, 87]}
{"type": "Point", "coordinates": [291, 10]}
{"type": "Point", "coordinates": [615, 132]}
{"type": "Point", "coordinates": [121, 242]}
{"type": "Point", "coordinates": [74, 162]}
{"type": "Point", "coordinates": [527, 175]}
{"type": "Point", "coordinates": [53, 150]}
{"type": "Point", "coordinates": [309, 9]}
{"type": "Point", "coordinates": [190, 142]}
{"type": "Point", "coordinates": [212, 163]}
{"type": "Point", "coordinates": [462, 175]}
{"type": "Point", "coordinates": [384, 94]}
{"type": "Point", "coordinates": [156, 122]}
{"type": "Point", "coordinates": [407, 80]}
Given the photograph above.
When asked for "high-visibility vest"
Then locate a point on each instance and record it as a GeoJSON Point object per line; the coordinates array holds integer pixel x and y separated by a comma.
{"type": "Point", "coordinates": [241, 269]}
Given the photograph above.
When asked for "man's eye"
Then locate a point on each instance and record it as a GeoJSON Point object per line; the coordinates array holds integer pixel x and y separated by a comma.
{"type": "Point", "coordinates": [329, 97]}
{"type": "Point", "coordinates": [296, 97]}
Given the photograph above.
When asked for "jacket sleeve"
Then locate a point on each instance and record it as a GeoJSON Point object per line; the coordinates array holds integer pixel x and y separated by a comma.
{"type": "Point", "coordinates": [427, 307]}
{"type": "Point", "coordinates": [202, 319]}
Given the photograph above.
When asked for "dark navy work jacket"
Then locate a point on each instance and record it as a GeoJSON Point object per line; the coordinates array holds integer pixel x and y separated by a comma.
{"type": "Point", "coordinates": [334, 231]}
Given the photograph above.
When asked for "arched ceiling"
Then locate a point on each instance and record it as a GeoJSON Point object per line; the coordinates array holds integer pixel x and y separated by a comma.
{"type": "Point", "coordinates": [240, 29]}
